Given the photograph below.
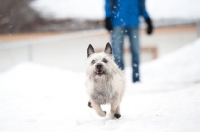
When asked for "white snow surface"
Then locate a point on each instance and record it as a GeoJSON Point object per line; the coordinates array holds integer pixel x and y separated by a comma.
{"type": "Point", "coordinates": [182, 66]}
{"type": "Point", "coordinates": [174, 9]}
{"type": "Point", "coordinates": [36, 98]}
{"type": "Point", "coordinates": [94, 9]}
{"type": "Point", "coordinates": [62, 9]}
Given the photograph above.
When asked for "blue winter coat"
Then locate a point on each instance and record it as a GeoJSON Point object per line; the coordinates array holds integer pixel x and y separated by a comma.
{"type": "Point", "coordinates": [125, 12]}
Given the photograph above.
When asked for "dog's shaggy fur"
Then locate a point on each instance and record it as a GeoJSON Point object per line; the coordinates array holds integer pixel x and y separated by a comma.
{"type": "Point", "coordinates": [105, 82]}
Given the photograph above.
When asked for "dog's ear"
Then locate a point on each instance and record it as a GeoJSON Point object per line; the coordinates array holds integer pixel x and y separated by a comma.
{"type": "Point", "coordinates": [108, 49]}
{"type": "Point", "coordinates": [90, 50]}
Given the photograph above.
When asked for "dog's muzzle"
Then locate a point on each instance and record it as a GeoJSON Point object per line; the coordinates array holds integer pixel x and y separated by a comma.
{"type": "Point", "coordinates": [99, 69]}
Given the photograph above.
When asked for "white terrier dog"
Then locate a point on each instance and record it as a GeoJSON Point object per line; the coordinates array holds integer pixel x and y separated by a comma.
{"type": "Point", "coordinates": [105, 82]}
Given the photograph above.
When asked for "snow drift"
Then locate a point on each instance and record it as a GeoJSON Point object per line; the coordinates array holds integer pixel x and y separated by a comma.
{"type": "Point", "coordinates": [90, 9]}
{"type": "Point", "coordinates": [39, 98]}
{"type": "Point", "coordinates": [182, 66]}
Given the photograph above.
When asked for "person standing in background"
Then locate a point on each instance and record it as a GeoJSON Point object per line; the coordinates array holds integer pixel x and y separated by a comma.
{"type": "Point", "coordinates": [122, 18]}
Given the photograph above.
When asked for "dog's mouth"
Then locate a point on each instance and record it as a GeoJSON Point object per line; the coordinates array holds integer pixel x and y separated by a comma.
{"type": "Point", "coordinates": [99, 72]}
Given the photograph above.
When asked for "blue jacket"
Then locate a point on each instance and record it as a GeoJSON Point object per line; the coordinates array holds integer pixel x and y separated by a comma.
{"type": "Point", "coordinates": [125, 12]}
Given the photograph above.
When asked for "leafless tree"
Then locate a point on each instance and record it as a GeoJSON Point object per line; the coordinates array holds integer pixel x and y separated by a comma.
{"type": "Point", "coordinates": [17, 16]}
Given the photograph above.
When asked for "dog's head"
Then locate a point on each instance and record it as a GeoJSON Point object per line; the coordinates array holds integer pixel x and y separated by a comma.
{"type": "Point", "coordinates": [99, 64]}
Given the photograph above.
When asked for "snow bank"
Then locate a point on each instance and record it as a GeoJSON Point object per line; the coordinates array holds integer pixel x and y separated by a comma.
{"type": "Point", "coordinates": [94, 9]}
{"type": "Point", "coordinates": [174, 9]}
{"type": "Point", "coordinates": [179, 67]}
{"type": "Point", "coordinates": [62, 9]}
{"type": "Point", "coordinates": [39, 98]}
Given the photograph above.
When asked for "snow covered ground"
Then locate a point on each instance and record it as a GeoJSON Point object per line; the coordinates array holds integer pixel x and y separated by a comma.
{"type": "Point", "coordinates": [94, 9]}
{"type": "Point", "coordinates": [38, 98]}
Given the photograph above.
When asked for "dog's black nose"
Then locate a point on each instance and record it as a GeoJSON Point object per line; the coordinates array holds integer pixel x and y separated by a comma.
{"type": "Point", "coordinates": [99, 66]}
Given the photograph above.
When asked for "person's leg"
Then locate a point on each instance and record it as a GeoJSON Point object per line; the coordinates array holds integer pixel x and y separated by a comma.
{"type": "Point", "coordinates": [133, 34]}
{"type": "Point", "coordinates": [117, 38]}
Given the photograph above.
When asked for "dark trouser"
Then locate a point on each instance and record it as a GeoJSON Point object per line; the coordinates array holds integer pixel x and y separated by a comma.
{"type": "Point", "coordinates": [117, 37]}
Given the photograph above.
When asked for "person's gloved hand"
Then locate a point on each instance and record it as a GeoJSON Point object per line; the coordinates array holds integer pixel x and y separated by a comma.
{"type": "Point", "coordinates": [108, 24]}
{"type": "Point", "coordinates": [149, 26]}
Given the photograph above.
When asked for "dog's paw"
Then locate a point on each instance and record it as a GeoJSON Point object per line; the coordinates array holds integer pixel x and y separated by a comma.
{"type": "Point", "coordinates": [117, 116]}
{"type": "Point", "coordinates": [102, 114]}
{"type": "Point", "coordinates": [89, 104]}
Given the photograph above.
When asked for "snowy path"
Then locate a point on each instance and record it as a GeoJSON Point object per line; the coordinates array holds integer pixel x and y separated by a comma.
{"type": "Point", "coordinates": [38, 98]}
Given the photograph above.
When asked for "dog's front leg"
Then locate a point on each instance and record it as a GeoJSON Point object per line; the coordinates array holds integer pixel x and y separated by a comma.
{"type": "Point", "coordinates": [115, 109]}
{"type": "Point", "coordinates": [98, 109]}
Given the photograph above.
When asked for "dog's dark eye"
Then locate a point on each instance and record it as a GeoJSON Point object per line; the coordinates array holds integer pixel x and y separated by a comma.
{"type": "Point", "coordinates": [104, 60]}
{"type": "Point", "coordinates": [93, 61]}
